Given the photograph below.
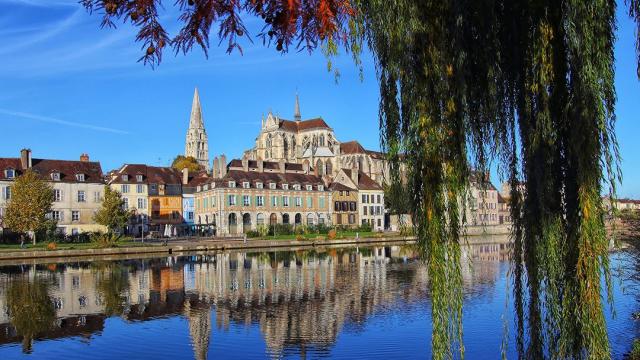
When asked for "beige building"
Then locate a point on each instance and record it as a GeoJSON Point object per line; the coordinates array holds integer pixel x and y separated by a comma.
{"type": "Point", "coordinates": [249, 195]}
{"type": "Point", "coordinates": [345, 205]}
{"type": "Point", "coordinates": [483, 202]}
{"type": "Point", "coordinates": [371, 210]}
{"type": "Point", "coordinates": [78, 188]}
{"type": "Point", "coordinates": [131, 181]}
{"type": "Point", "coordinates": [314, 143]}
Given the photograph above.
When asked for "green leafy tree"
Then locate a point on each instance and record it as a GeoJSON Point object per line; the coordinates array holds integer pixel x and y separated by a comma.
{"type": "Point", "coordinates": [31, 199]}
{"type": "Point", "coordinates": [189, 162]}
{"type": "Point", "coordinates": [112, 214]}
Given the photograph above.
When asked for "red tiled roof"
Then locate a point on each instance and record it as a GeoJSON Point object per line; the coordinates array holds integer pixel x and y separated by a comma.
{"type": "Point", "coordinates": [352, 147]}
{"type": "Point", "coordinates": [304, 125]}
{"type": "Point", "coordinates": [150, 174]}
{"type": "Point", "coordinates": [340, 187]}
{"type": "Point", "coordinates": [364, 181]}
{"type": "Point", "coordinates": [68, 169]}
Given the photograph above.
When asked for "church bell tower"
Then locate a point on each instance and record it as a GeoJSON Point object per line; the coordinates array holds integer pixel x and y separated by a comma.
{"type": "Point", "coordinates": [197, 144]}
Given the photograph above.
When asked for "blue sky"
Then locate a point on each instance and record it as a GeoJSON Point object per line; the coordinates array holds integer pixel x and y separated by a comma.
{"type": "Point", "coordinates": [69, 87]}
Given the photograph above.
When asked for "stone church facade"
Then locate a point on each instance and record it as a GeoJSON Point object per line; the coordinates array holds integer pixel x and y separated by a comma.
{"type": "Point", "coordinates": [314, 143]}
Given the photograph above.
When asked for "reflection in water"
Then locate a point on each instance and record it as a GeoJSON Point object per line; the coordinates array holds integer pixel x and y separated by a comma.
{"type": "Point", "coordinates": [30, 309]}
{"type": "Point", "coordinates": [300, 301]}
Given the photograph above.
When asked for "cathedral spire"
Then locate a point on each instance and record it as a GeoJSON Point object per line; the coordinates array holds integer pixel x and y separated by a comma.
{"type": "Point", "coordinates": [196, 112]}
{"type": "Point", "coordinates": [296, 113]}
{"type": "Point", "coordinates": [197, 143]}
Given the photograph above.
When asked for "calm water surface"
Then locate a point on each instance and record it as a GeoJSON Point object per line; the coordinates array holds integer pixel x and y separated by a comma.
{"type": "Point", "coordinates": [335, 303]}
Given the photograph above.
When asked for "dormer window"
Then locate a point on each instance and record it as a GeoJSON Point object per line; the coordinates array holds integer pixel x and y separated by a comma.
{"type": "Point", "coordinates": [320, 187]}
{"type": "Point", "coordinates": [55, 176]}
{"type": "Point", "coordinates": [206, 187]}
{"type": "Point", "coordinates": [259, 185]}
{"type": "Point", "coordinates": [10, 173]}
{"type": "Point", "coordinates": [80, 177]}
{"type": "Point", "coordinates": [309, 188]}
{"type": "Point", "coordinates": [199, 188]}
{"type": "Point", "coordinates": [272, 186]}
{"type": "Point", "coordinates": [296, 187]}
{"type": "Point", "coordinates": [285, 186]}
{"type": "Point", "coordinates": [139, 178]}
{"type": "Point", "coordinates": [245, 184]}
{"type": "Point", "coordinates": [125, 177]}
{"type": "Point", "coordinates": [232, 184]}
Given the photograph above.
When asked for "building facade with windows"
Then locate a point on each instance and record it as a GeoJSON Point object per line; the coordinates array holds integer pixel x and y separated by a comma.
{"type": "Point", "coordinates": [131, 181]}
{"type": "Point", "coordinates": [345, 205]}
{"type": "Point", "coordinates": [78, 188]}
{"type": "Point", "coordinates": [370, 197]}
{"type": "Point", "coordinates": [249, 195]}
{"type": "Point", "coordinates": [314, 143]}
{"type": "Point", "coordinates": [483, 207]}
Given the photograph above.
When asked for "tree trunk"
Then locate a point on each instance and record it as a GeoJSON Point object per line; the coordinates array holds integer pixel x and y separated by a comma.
{"type": "Point", "coordinates": [33, 236]}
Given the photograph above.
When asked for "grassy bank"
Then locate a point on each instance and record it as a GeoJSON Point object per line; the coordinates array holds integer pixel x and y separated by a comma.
{"type": "Point", "coordinates": [65, 246]}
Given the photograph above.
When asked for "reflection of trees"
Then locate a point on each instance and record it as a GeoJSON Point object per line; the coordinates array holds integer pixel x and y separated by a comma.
{"type": "Point", "coordinates": [31, 309]}
{"type": "Point", "coordinates": [111, 283]}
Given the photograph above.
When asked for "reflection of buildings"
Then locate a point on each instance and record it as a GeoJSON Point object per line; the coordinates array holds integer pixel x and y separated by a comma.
{"type": "Point", "coordinates": [300, 301]}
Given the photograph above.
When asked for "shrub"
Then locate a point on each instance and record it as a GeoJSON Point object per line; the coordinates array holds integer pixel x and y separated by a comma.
{"type": "Point", "coordinates": [300, 237]}
{"type": "Point", "coordinates": [281, 229]}
{"type": "Point", "coordinates": [253, 234]}
{"type": "Point", "coordinates": [52, 246]}
{"type": "Point", "coordinates": [364, 228]}
{"type": "Point", "coordinates": [332, 234]}
{"type": "Point", "coordinates": [300, 229]}
{"type": "Point", "coordinates": [107, 240]}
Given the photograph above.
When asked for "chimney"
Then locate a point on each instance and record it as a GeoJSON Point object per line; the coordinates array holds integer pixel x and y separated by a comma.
{"type": "Point", "coordinates": [216, 168]}
{"type": "Point", "coordinates": [282, 166]}
{"type": "Point", "coordinates": [260, 166]}
{"type": "Point", "coordinates": [185, 176]}
{"type": "Point", "coordinates": [84, 157]}
{"type": "Point", "coordinates": [355, 176]}
{"type": "Point", "coordinates": [25, 158]}
{"type": "Point", "coordinates": [245, 164]}
{"type": "Point", "coordinates": [223, 165]}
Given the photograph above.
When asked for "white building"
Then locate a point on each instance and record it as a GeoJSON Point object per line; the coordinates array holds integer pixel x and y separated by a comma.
{"type": "Point", "coordinates": [78, 188]}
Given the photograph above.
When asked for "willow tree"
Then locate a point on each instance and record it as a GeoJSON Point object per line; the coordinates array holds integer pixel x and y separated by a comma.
{"type": "Point", "coordinates": [463, 83]}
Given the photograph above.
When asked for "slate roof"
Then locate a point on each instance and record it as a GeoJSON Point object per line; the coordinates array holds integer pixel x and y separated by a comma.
{"type": "Point", "coordinates": [68, 169]}
{"type": "Point", "coordinates": [336, 186]}
{"type": "Point", "coordinates": [266, 178]}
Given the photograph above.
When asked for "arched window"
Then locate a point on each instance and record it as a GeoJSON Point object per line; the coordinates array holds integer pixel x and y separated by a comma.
{"type": "Point", "coordinates": [310, 219]}
{"type": "Point", "coordinates": [260, 219]}
{"type": "Point", "coordinates": [298, 219]}
{"type": "Point", "coordinates": [329, 166]}
{"type": "Point", "coordinates": [320, 167]}
{"type": "Point", "coordinates": [321, 140]}
{"type": "Point", "coordinates": [285, 218]}
{"type": "Point", "coordinates": [273, 219]}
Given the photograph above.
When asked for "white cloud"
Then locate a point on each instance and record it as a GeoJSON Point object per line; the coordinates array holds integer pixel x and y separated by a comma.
{"type": "Point", "coordinates": [51, 120]}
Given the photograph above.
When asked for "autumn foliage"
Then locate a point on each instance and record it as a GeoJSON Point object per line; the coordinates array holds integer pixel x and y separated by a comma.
{"type": "Point", "coordinates": [287, 23]}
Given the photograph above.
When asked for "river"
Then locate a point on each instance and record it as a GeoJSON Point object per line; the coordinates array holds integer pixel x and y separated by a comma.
{"type": "Point", "coordinates": [345, 303]}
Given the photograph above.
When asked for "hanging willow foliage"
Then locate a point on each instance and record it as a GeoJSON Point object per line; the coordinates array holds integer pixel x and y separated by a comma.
{"type": "Point", "coordinates": [528, 84]}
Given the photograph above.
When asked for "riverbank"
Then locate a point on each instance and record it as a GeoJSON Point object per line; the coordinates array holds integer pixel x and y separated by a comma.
{"type": "Point", "coordinates": [180, 247]}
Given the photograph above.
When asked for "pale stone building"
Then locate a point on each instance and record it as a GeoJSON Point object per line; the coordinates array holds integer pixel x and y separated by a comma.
{"type": "Point", "coordinates": [314, 143]}
{"type": "Point", "coordinates": [483, 203]}
{"type": "Point", "coordinates": [249, 194]}
{"type": "Point", "coordinates": [197, 142]}
{"type": "Point", "coordinates": [78, 188]}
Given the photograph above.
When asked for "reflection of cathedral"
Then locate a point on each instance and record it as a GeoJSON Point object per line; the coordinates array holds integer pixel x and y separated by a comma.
{"type": "Point", "coordinates": [313, 142]}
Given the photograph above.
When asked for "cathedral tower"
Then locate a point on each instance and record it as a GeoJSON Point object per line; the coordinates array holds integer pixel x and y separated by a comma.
{"type": "Point", "coordinates": [197, 144]}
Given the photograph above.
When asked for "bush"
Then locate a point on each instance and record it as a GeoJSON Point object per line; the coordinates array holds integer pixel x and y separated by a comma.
{"type": "Point", "coordinates": [52, 246]}
{"type": "Point", "coordinates": [300, 230]}
{"type": "Point", "coordinates": [300, 237]}
{"type": "Point", "coordinates": [107, 240]}
{"type": "Point", "coordinates": [253, 234]}
{"type": "Point", "coordinates": [332, 234]}
{"type": "Point", "coordinates": [364, 228]}
{"type": "Point", "coordinates": [281, 229]}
